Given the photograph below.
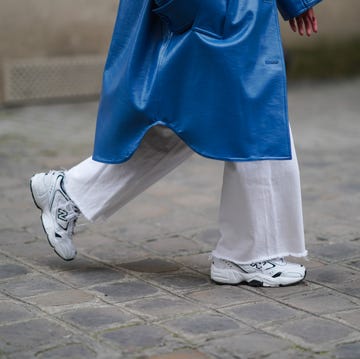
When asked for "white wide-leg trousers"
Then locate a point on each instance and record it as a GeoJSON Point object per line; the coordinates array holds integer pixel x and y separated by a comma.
{"type": "Point", "coordinates": [260, 209]}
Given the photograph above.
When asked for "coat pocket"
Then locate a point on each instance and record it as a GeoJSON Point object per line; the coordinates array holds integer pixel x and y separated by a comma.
{"type": "Point", "coordinates": [210, 19]}
{"type": "Point", "coordinates": [179, 15]}
{"type": "Point", "coordinates": [205, 16]}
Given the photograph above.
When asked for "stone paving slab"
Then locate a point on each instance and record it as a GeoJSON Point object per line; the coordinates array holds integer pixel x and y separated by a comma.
{"type": "Point", "coordinates": [137, 338]}
{"type": "Point", "coordinates": [322, 301]}
{"type": "Point", "coordinates": [11, 311]}
{"type": "Point", "coordinates": [219, 296]}
{"type": "Point", "coordinates": [140, 288]}
{"type": "Point", "coordinates": [163, 307]}
{"type": "Point", "coordinates": [68, 350]}
{"type": "Point", "coordinates": [126, 291]}
{"type": "Point", "coordinates": [182, 354]}
{"type": "Point", "coordinates": [181, 281]}
{"type": "Point", "coordinates": [97, 318]}
{"type": "Point", "coordinates": [205, 326]}
{"type": "Point", "coordinates": [350, 318]}
{"type": "Point", "coordinates": [30, 286]}
{"type": "Point", "coordinates": [90, 275]}
{"type": "Point", "coordinates": [247, 345]}
{"type": "Point", "coordinates": [316, 333]}
{"type": "Point", "coordinates": [263, 313]}
{"type": "Point", "coordinates": [20, 336]}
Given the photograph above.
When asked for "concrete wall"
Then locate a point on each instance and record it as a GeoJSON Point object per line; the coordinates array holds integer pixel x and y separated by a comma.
{"type": "Point", "coordinates": [45, 28]}
{"type": "Point", "coordinates": [31, 28]}
{"type": "Point", "coordinates": [48, 28]}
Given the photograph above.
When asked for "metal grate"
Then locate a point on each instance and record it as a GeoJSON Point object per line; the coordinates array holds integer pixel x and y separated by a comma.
{"type": "Point", "coordinates": [52, 78]}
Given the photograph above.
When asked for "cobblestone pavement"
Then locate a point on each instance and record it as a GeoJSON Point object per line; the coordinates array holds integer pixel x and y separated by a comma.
{"type": "Point", "coordinates": [140, 286]}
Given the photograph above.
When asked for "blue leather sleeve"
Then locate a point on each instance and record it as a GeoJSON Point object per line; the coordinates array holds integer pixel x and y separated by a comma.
{"type": "Point", "coordinates": [292, 8]}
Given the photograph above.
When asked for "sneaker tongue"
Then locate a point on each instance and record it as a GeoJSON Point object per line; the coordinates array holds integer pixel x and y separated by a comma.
{"type": "Point", "coordinates": [67, 215]}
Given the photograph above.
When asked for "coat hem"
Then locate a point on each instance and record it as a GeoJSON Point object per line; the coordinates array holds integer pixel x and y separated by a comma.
{"type": "Point", "coordinates": [124, 158]}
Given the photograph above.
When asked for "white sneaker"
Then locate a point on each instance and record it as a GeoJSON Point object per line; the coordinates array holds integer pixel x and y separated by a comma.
{"type": "Point", "coordinates": [271, 273]}
{"type": "Point", "coordinates": [59, 213]}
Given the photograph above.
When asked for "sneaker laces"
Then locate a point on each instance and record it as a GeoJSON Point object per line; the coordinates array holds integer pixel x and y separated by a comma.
{"type": "Point", "coordinates": [73, 213]}
{"type": "Point", "coordinates": [260, 265]}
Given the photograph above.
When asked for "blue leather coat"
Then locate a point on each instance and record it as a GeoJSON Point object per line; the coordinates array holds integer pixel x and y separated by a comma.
{"type": "Point", "coordinates": [211, 70]}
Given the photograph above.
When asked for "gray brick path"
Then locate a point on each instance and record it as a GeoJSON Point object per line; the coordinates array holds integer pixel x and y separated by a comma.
{"type": "Point", "coordinates": [140, 286]}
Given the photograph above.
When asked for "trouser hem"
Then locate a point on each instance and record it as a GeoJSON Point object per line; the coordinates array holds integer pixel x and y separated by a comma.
{"type": "Point", "coordinates": [77, 202]}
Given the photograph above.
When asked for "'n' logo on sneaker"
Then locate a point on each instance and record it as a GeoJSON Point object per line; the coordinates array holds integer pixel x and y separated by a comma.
{"type": "Point", "coordinates": [62, 214]}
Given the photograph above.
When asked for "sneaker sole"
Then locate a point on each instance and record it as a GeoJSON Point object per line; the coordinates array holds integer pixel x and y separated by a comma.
{"type": "Point", "coordinates": [226, 276]}
{"type": "Point", "coordinates": [43, 226]}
